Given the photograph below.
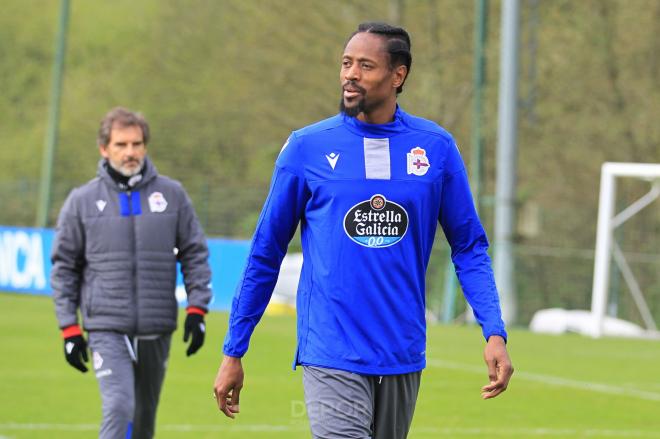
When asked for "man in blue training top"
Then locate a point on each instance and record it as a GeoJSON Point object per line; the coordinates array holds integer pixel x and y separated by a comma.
{"type": "Point", "coordinates": [368, 187]}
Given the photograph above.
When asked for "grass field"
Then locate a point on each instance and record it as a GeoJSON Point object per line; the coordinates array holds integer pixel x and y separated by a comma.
{"type": "Point", "coordinates": [564, 387]}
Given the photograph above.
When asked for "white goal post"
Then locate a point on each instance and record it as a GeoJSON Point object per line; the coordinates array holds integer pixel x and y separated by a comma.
{"type": "Point", "coordinates": [607, 248]}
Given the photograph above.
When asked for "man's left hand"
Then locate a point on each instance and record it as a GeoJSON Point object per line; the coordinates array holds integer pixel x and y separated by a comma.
{"type": "Point", "coordinates": [194, 327]}
{"type": "Point", "coordinates": [499, 367]}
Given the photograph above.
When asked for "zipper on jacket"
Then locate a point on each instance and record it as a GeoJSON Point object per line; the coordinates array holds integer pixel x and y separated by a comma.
{"type": "Point", "coordinates": [134, 265]}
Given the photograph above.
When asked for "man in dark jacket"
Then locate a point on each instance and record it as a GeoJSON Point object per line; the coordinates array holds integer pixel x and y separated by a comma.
{"type": "Point", "coordinates": [118, 241]}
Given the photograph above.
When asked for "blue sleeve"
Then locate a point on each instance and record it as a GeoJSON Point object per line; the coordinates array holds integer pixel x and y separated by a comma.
{"type": "Point", "coordinates": [276, 226]}
{"type": "Point", "coordinates": [469, 246]}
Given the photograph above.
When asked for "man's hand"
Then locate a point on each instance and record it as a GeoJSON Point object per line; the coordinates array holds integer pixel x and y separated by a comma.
{"type": "Point", "coordinates": [194, 326]}
{"type": "Point", "coordinates": [499, 367]}
{"type": "Point", "coordinates": [228, 385]}
{"type": "Point", "coordinates": [75, 347]}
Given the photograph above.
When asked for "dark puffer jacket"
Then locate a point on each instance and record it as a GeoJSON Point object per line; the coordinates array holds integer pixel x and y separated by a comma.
{"type": "Point", "coordinates": [115, 253]}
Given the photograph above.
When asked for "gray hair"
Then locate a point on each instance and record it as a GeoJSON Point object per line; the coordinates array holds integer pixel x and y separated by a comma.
{"type": "Point", "coordinates": [123, 117]}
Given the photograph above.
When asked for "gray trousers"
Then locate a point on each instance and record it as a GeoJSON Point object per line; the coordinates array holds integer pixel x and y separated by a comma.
{"type": "Point", "coordinates": [130, 373]}
{"type": "Point", "coordinates": [347, 405]}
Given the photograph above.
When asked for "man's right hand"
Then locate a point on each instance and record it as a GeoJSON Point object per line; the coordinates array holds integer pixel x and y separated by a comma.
{"type": "Point", "coordinates": [75, 347]}
{"type": "Point", "coordinates": [228, 385]}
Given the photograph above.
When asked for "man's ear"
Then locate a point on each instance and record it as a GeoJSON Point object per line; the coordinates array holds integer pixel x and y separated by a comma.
{"type": "Point", "coordinates": [399, 75]}
{"type": "Point", "coordinates": [103, 149]}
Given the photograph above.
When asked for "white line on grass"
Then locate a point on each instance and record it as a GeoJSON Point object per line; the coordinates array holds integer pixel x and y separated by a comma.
{"type": "Point", "coordinates": [555, 381]}
{"type": "Point", "coordinates": [49, 427]}
{"type": "Point", "coordinates": [530, 432]}
{"type": "Point", "coordinates": [268, 428]}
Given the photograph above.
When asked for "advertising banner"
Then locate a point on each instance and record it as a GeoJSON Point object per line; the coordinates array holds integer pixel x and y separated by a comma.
{"type": "Point", "coordinates": [25, 264]}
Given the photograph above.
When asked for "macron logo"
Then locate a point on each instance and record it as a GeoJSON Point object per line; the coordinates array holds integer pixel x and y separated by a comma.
{"type": "Point", "coordinates": [332, 159]}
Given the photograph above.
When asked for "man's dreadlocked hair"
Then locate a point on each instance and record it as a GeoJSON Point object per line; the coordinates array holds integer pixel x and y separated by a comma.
{"type": "Point", "coordinates": [397, 44]}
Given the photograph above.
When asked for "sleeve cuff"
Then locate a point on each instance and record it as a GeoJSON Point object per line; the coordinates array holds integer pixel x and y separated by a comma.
{"type": "Point", "coordinates": [502, 334]}
{"type": "Point", "coordinates": [195, 310]}
{"type": "Point", "coordinates": [71, 331]}
{"type": "Point", "coordinates": [231, 353]}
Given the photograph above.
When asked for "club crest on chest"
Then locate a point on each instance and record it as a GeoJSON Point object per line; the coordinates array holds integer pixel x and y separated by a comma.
{"type": "Point", "coordinates": [157, 202]}
{"type": "Point", "coordinates": [418, 163]}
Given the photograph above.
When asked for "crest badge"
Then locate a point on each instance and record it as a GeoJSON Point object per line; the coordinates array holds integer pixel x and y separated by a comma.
{"type": "Point", "coordinates": [418, 163]}
{"type": "Point", "coordinates": [100, 205]}
{"type": "Point", "coordinates": [157, 202]}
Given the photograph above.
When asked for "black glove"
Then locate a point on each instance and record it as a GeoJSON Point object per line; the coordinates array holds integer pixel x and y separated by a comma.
{"type": "Point", "coordinates": [75, 347]}
{"type": "Point", "coordinates": [194, 326]}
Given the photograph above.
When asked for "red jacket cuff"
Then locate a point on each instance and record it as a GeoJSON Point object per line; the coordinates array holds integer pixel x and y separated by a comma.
{"type": "Point", "coordinates": [70, 331]}
{"type": "Point", "coordinates": [195, 310]}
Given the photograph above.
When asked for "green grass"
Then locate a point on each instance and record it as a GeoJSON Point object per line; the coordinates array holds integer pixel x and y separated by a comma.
{"type": "Point", "coordinates": [564, 387]}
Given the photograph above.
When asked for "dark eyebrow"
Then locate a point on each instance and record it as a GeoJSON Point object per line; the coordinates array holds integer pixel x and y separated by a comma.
{"type": "Point", "coordinates": [139, 142]}
{"type": "Point", "coordinates": [362, 59]}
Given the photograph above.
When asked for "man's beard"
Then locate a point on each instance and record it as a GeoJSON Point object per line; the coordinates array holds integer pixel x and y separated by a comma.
{"type": "Point", "coordinates": [351, 111]}
{"type": "Point", "coordinates": [126, 171]}
{"type": "Point", "coordinates": [359, 107]}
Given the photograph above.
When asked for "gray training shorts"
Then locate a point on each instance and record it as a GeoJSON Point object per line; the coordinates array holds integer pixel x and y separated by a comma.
{"type": "Point", "coordinates": [342, 404]}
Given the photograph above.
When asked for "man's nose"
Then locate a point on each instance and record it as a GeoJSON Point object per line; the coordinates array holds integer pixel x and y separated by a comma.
{"type": "Point", "coordinates": [352, 73]}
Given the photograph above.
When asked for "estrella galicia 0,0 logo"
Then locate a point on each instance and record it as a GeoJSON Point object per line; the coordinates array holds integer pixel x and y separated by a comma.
{"type": "Point", "coordinates": [376, 222]}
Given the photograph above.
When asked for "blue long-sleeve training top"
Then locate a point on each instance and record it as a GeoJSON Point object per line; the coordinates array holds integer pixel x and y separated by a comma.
{"type": "Point", "coordinates": [368, 198]}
